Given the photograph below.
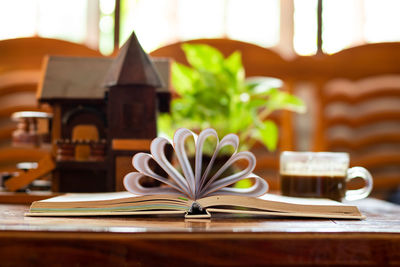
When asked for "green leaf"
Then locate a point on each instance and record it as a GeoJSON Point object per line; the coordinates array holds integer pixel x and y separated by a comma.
{"type": "Point", "coordinates": [214, 93]}
{"type": "Point", "coordinates": [234, 65]}
{"type": "Point", "coordinates": [268, 134]}
{"type": "Point", "coordinates": [245, 183]}
{"type": "Point", "coordinates": [284, 100]}
{"type": "Point", "coordinates": [203, 57]}
{"type": "Point", "coordinates": [208, 80]}
{"type": "Point", "coordinates": [164, 125]}
{"type": "Point", "coordinates": [263, 85]}
{"type": "Point", "coordinates": [256, 103]}
{"type": "Point", "coordinates": [294, 103]}
{"type": "Point", "coordinates": [183, 78]}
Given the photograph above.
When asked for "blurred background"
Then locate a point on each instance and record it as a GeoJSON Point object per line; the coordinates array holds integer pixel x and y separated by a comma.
{"type": "Point", "coordinates": [288, 26]}
{"type": "Point", "coordinates": [339, 56]}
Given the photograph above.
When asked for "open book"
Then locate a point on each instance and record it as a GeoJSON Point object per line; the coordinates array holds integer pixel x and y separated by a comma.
{"type": "Point", "coordinates": [195, 190]}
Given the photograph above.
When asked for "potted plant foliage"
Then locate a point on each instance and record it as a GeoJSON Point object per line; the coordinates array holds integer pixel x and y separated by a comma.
{"type": "Point", "coordinates": [213, 92]}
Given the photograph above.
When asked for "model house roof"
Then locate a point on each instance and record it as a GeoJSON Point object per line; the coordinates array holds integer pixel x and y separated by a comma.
{"type": "Point", "coordinates": [84, 77]}
{"type": "Point", "coordinates": [73, 78]}
{"type": "Point", "coordinates": [132, 66]}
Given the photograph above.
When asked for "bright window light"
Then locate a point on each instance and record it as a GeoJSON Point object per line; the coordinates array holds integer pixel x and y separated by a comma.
{"type": "Point", "coordinates": [342, 24]}
{"type": "Point", "coordinates": [253, 21]}
{"type": "Point", "coordinates": [305, 27]}
{"type": "Point", "coordinates": [63, 20]}
{"type": "Point", "coordinates": [159, 22]}
{"type": "Point", "coordinates": [200, 19]}
{"type": "Point", "coordinates": [106, 26]}
{"type": "Point", "coordinates": [16, 21]}
{"type": "Point", "coordinates": [152, 20]}
{"type": "Point", "coordinates": [46, 18]}
{"type": "Point", "coordinates": [382, 21]}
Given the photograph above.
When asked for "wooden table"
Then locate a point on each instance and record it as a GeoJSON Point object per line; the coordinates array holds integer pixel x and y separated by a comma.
{"type": "Point", "coordinates": [245, 241]}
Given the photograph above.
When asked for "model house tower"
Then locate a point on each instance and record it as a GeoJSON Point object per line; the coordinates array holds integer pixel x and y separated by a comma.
{"type": "Point", "coordinates": [132, 82]}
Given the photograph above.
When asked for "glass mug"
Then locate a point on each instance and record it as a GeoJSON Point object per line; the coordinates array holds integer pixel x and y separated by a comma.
{"type": "Point", "coordinates": [321, 175]}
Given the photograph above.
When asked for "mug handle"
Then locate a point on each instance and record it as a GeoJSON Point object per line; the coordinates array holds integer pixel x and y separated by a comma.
{"type": "Point", "coordinates": [359, 172]}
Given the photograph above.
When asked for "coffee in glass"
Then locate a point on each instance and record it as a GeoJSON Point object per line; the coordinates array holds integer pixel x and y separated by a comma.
{"type": "Point", "coordinates": [321, 175]}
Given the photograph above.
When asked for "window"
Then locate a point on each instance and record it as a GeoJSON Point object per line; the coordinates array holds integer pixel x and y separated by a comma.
{"type": "Point", "coordinates": [286, 25]}
{"type": "Point", "coordinates": [305, 27]}
{"type": "Point", "coordinates": [67, 20]}
{"type": "Point", "coordinates": [106, 26]}
{"type": "Point", "coordinates": [159, 22]}
{"type": "Point", "coordinates": [349, 23]}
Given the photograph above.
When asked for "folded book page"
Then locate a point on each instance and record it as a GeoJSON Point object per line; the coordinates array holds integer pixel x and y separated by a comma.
{"type": "Point", "coordinates": [193, 183]}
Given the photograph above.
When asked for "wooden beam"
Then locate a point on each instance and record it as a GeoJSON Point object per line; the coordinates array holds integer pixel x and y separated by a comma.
{"type": "Point", "coordinates": [117, 18]}
{"type": "Point", "coordinates": [319, 33]}
{"type": "Point", "coordinates": [131, 144]}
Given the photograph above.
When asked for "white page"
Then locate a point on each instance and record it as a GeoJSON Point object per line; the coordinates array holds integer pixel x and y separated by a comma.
{"type": "Point", "coordinates": [79, 197]}
{"type": "Point", "coordinates": [300, 201]}
{"type": "Point", "coordinates": [190, 184]}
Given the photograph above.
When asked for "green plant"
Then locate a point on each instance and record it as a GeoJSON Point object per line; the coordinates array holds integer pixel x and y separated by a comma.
{"type": "Point", "coordinates": [215, 93]}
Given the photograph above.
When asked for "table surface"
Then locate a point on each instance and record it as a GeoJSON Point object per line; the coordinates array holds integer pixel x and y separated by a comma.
{"type": "Point", "coordinates": [222, 240]}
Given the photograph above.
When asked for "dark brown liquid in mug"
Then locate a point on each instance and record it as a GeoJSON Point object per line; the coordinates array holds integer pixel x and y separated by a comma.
{"type": "Point", "coordinates": [332, 187]}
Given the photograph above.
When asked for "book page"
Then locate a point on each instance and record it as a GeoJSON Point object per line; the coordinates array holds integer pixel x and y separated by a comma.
{"type": "Point", "coordinates": [74, 197]}
{"type": "Point", "coordinates": [199, 177]}
{"type": "Point", "coordinates": [228, 140]}
{"type": "Point", "coordinates": [179, 146]}
{"type": "Point", "coordinates": [214, 184]}
{"type": "Point", "coordinates": [193, 183]}
{"type": "Point", "coordinates": [300, 201]}
{"type": "Point", "coordinates": [109, 199]}
{"type": "Point", "coordinates": [103, 213]}
{"type": "Point", "coordinates": [289, 214]}
{"type": "Point", "coordinates": [109, 204]}
{"type": "Point", "coordinates": [279, 203]}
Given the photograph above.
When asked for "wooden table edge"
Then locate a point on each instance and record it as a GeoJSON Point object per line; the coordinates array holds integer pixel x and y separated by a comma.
{"type": "Point", "coordinates": [198, 235]}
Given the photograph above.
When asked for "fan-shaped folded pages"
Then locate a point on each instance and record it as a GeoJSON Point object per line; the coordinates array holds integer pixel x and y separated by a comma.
{"type": "Point", "coordinates": [193, 183]}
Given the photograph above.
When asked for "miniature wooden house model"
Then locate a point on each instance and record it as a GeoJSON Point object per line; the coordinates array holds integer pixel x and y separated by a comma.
{"type": "Point", "coordinates": [104, 111]}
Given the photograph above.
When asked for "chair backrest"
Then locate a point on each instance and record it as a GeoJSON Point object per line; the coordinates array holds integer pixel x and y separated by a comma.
{"type": "Point", "coordinates": [257, 61]}
{"type": "Point", "coordinates": [20, 68]}
{"type": "Point", "coordinates": [358, 109]}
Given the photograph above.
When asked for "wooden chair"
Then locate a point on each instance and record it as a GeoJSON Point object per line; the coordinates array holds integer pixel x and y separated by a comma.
{"type": "Point", "coordinates": [358, 109]}
{"type": "Point", "coordinates": [20, 68]}
{"type": "Point", "coordinates": [257, 61]}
